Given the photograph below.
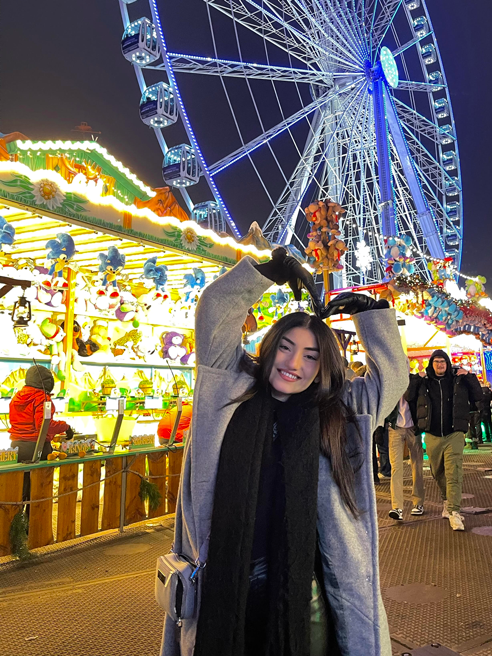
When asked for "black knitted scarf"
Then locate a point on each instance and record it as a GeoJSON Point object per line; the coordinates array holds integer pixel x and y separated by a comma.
{"type": "Point", "coordinates": [248, 438]}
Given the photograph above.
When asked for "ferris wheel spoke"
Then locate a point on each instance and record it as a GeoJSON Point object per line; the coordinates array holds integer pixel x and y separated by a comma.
{"type": "Point", "coordinates": [419, 123]}
{"type": "Point", "coordinates": [409, 44]}
{"type": "Point", "coordinates": [273, 28]}
{"type": "Point", "coordinates": [257, 23]}
{"type": "Point", "coordinates": [350, 61]}
{"type": "Point", "coordinates": [430, 167]}
{"type": "Point", "coordinates": [288, 204]}
{"type": "Point", "coordinates": [277, 129]}
{"type": "Point", "coordinates": [282, 220]}
{"type": "Point", "coordinates": [384, 20]}
{"type": "Point", "coordinates": [407, 85]}
{"type": "Point", "coordinates": [228, 68]}
{"type": "Point", "coordinates": [339, 43]}
{"type": "Point", "coordinates": [336, 19]}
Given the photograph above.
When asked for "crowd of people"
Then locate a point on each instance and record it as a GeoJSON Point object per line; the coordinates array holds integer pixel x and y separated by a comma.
{"type": "Point", "coordinates": [442, 408]}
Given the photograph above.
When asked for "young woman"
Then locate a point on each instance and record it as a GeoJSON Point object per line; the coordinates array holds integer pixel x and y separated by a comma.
{"type": "Point", "coordinates": [277, 481]}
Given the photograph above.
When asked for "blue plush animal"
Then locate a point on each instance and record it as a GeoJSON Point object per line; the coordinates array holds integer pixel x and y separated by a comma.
{"type": "Point", "coordinates": [280, 298]}
{"type": "Point", "coordinates": [193, 282]}
{"type": "Point", "coordinates": [7, 233]}
{"type": "Point", "coordinates": [156, 273]}
{"type": "Point", "coordinates": [60, 251]}
{"type": "Point", "coordinates": [111, 265]}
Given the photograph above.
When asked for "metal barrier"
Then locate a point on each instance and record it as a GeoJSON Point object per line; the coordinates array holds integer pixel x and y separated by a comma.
{"type": "Point", "coordinates": [121, 503]}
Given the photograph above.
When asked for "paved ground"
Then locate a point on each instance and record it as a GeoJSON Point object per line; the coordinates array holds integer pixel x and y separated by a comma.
{"type": "Point", "coordinates": [96, 599]}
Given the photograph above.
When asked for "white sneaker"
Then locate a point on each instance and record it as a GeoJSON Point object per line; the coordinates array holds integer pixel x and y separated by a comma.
{"type": "Point", "coordinates": [456, 521]}
{"type": "Point", "coordinates": [445, 511]}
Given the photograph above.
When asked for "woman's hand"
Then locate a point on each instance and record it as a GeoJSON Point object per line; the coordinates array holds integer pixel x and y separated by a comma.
{"type": "Point", "coordinates": [352, 303]}
{"type": "Point", "coordinates": [283, 268]}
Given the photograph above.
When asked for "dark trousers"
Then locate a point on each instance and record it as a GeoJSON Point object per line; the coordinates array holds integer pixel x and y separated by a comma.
{"type": "Point", "coordinates": [475, 429]}
{"type": "Point", "coordinates": [384, 461]}
{"type": "Point", "coordinates": [487, 424]}
{"type": "Point", "coordinates": [25, 454]}
{"type": "Point", "coordinates": [257, 614]}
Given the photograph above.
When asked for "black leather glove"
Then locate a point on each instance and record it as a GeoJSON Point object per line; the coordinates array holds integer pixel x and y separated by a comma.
{"type": "Point", "coordinates": [69, 433]}
{"type": "Point", "coordinates": [283, 268]}
{"type": "Point", "coordinates": [352, 303]}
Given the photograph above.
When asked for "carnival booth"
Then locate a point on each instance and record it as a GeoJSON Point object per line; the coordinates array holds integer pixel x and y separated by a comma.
{"type": "Point", "coordinates": [99, 280]}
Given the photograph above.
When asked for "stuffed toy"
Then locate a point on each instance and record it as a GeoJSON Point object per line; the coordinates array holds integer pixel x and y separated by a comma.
{"type": "Point", "coordinates": [399, 260]}
{"type": "Point", "coordinates": [173, 348]}
{"type": "Point", "coordinates": [127, 341]}
{"type": "Point", "coordinates": [84, 348]}
{"type": "Point", "coordinates": [190, 358]}
{"type": "Point", "coordinates": [99, 335]}
{"type": "Point", "coordinates": [194, 282]}
{"type": "Point", "coordinates": [7, 233]}
{"type": "Point", "coordinates": [54, 334]}
{"type": "Point", "coordinates": [475, 288]}
{"type": "Point", "coordinates": [111, 264]}
{"type": "Point", "coordinates": [127, 308]}
{"type": "Point", "coordinates": [60, 252]}
{"type": "Point", "coordinates": [325, 248]}
{"type": "Point", "coordinates": [156, 273]}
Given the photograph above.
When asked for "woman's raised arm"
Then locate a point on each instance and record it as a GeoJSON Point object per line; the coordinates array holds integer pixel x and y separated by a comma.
{"type": "Point", "coordinates": [221, 312]}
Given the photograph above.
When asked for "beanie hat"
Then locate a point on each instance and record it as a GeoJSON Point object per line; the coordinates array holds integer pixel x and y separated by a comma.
{"type": "Point", "coordinates": [40, 377]}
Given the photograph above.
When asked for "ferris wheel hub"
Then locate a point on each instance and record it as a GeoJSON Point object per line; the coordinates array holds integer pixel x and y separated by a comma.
{"type": "Point", "coordinates": [389, 67]}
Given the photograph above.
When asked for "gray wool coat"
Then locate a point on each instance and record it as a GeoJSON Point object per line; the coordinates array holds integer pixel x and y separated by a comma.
{"type": "Point", "coordinates": [349, 546]}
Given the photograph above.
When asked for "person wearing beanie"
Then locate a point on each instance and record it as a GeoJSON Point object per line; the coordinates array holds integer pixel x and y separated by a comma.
{"type": "Point", "coordinates": [26, 413]}
{"type": "Point", "coordinates": [440, 401]}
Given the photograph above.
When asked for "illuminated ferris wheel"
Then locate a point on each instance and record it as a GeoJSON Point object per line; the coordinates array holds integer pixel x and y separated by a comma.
{"type": "Point", "coordinates": [361, 93]}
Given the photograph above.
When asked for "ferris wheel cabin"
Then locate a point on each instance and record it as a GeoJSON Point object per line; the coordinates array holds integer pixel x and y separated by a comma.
{"type": "Point", "coordinates": [158, 106]}
{"type": "Point", "coordinates": [421, 27]}
{"type": "Point", "coordinates": [180, 167]}
{"type": "Point", "coordinates": [412, 4]}
{"type": "Point", "coordinates": [139, 42]}
{"type": "Point", "coordinates": [449, 160]}
{"type": "Point", "coordinates": [209, 213]}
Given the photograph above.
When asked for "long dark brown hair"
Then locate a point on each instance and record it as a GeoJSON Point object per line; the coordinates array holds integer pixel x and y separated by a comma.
{"type": "Point", "coordinates": [333, 412]}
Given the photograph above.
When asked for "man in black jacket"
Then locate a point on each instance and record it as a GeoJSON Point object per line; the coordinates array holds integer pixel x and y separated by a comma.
{"type": "Point", "coordinates": [440, 403]}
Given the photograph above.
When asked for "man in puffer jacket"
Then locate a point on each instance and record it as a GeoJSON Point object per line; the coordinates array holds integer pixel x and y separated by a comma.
{"type": "Point", "coordinates": [440, 404]}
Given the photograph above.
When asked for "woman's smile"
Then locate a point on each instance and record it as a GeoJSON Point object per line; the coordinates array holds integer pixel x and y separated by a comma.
{"type": "Point", "coordinates": [288, 375]}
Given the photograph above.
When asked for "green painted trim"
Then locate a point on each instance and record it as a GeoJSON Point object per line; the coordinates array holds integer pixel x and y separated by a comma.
{"type": "Point", "coordinates": [9, 469]}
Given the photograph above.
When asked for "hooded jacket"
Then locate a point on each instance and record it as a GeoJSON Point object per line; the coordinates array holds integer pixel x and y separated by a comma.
{"type": "Point", "coordinates": [440, 405]}
{"type": "Point", "coordinates": [26, 409]}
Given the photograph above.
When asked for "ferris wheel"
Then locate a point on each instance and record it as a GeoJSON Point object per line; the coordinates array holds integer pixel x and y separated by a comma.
{"type": "Point", "coordinates": [361, 93]}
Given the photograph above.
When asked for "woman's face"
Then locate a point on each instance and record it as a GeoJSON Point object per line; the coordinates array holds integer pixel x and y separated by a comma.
{"type": "Point", "coordinates": [296, 363]}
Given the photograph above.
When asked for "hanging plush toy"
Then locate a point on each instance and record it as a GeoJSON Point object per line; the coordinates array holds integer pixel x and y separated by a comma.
{"type": "Point", "coordinates": [7, 233]}
{"type": "Point", "coordinates": [54, 334]}
{"type": "Point", "coordinates": [399, 260]}
{"type": "Point", "coordinates": [475, 288]}
{"type": "Point", "coordinates": [194, 282]}
{"type": "Point", "coordinates": [60, 252]}
{"type": "Point", "coordinates": [156, 273]}
{"type": "Point", "coordinates": [112, 263]}
{"type": "Point", "coordinates": [441, 270]}
{"type": "Point", "coordinates": [325, 248]}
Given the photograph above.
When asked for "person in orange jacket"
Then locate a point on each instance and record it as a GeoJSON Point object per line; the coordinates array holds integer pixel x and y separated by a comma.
{"type": "Point", "coordinates": [26, 413]}
{"type": "Point", "coordinates": [166, 424]}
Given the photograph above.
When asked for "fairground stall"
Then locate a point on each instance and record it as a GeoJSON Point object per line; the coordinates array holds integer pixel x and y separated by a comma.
{"type": "Point", "coordinates": [99, 280]}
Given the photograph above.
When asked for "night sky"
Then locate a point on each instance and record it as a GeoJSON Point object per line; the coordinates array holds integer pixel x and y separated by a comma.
{"type": "Point", "coordinates": [61, 63]}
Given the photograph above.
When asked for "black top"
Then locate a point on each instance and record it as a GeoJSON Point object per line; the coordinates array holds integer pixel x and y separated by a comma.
{"type": "Point", "coordinates": [270, 487]}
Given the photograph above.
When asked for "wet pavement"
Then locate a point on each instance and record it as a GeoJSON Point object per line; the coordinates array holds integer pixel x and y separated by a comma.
{"type": "Point", "coordinates": [96, 597]}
